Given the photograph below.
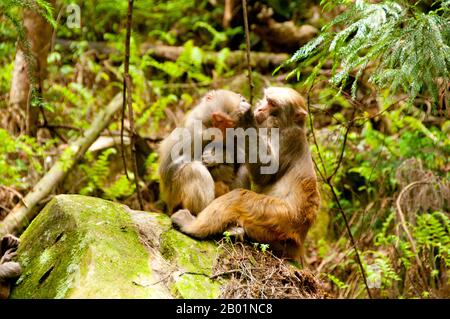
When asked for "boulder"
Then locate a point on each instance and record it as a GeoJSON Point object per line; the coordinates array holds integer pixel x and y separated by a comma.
{"type": "Point", "coordinates": [86, 247]}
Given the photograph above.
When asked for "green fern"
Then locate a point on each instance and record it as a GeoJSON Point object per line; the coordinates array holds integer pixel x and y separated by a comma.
{"type": "Point", "coordinates": [340, 284]}
{"type": "Point", "coordinates": [19, 157]}
{"type": "Point", "coordinates": [411, 48]}
{"type": "Point", "coordinates": [121, 188]}
{"type": "Point", "coordinates": [97, 172]}
{"type": "Point", "coordinates": [432, 233]}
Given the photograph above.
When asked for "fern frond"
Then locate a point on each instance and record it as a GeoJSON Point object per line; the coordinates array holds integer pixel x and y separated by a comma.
{"type": "Point", "coordinates": [410, 48]}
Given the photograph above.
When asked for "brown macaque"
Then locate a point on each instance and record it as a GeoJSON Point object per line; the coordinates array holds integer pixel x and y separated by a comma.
{"type": "Point", "coordinates": [190, 175]}
{"type": "Point", "coordinates": [9, 270]}
{"type": "Point", "coordinates": [284, 204]}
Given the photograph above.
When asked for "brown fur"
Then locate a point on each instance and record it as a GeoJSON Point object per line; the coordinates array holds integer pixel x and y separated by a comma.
{"type": "Point", "coordinates": [286, 203]}
{"type": "Point", "coordinates": [191, 185]}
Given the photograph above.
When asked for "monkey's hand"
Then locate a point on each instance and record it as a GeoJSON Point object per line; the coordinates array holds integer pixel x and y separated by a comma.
{"type": "Point", "coordinates": [8, 242]}
{"type": "Point", "coordinates": [8, 248]}
{"type": "Point", "coordinates": [182, 218]}
{"type": "Point", "coordinates": [8, 256]}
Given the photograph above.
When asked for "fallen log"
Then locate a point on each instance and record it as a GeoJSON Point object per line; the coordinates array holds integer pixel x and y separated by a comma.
{"type": "Point", "coordinates": [260, 60]}
{"type": "Point", "coordinates": [282, 36]}
{"type": "Point", "coordinates": [25, 211]}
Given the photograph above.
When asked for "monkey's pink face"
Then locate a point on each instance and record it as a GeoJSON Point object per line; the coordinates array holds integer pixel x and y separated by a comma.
{"type": "Point", "coordinates": [264, 109]}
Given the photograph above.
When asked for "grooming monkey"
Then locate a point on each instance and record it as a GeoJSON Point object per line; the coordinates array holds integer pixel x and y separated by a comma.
{"type": "Point", "coordinates": [9, 270]}
{"type": "Point", "coordinates": [284, 204]}
{"type": "Point", "coordinates": [191, 178]}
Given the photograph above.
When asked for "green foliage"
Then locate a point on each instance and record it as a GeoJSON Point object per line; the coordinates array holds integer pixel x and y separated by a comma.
{"type": "Point", "coordinates": [432, 233]}
{"type": "Point", "coordinates": [381, 272]}
{"type": "Point", "coordinates": [67, 159]}
{"type": "Point", "coordinates": [401, 46]}
{"type": "Point", "coordinates": [264, 247]}
{"type": "Point", "coordinates": [20, 158]}
{"type": "Point", "coordinates": [5, 75]}
{"type": "Point", "coordinates": [98, 173]}
{"type": "Point", "coordinates": [101, 17]}
{"type": "Point", "coordinates": [151, 165]}
{"type": "Point", "coordinates": [121, 188]}
{"type": "Point", "coordinates": [227, 236]}
{"type": "Point", "coordinates": [188, 63]}
{"type": "Point", "coordinates": [367, 186]}
{"type": "Point", "coordinates": [337, 281]}
{"type": "Point", "coordinates": [411, 48]}
{"type": "Point", "coordinates": [218, 37]}
{"type": "Point", "coordinates": [42, 7]}
{"type": "Point", "coordinates": [10, 10]}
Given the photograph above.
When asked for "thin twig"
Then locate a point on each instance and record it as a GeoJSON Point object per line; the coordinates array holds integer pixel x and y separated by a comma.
{"type": "Point", "coordinates": [129, 100]}
{"type": "Point", "coordinates": [133, 143]}
{"type": "Point", "coordinates": [124, 90]}
{"type": "Point", "coordinates": [314, 134]}
{"type": "Point", "coordinates": [350, 235]}
{"type": "Point", "coordinates": [247, 47]}
{"type": "Point", "coordinates": [328, 181]}
{"type": "Point", "coordinates": [344, 143]}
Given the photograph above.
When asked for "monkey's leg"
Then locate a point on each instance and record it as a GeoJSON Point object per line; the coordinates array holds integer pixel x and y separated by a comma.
{"type": "Point", "coordinates": [266, 219]}
{"type": "Point", "coordinates": [214, 219]}
{"type": "Point", "coordinates": [196, 187]}
{"type": "Point", "coordinates": [183, 217]}
{"type": "Point", "coordinates": [237, 207]}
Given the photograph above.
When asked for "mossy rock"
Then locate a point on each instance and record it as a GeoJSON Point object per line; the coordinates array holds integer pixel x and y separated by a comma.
{"type": "Point", "coordinates": [86, 247]}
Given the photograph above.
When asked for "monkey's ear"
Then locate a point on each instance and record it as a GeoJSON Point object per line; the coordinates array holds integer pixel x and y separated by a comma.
{"type": "Point", "coordinates": [270, 101]}
{"type": "Point", "coordinates": [300, 115]}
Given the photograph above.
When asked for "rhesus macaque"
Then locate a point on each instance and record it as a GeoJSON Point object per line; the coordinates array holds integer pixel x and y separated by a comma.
{"type": "Point", "coordinates": [191, 178]}
{"type": "Point", "coordinates": [284, 204]}
{"type": "Point", "coordinates": [9, 270]}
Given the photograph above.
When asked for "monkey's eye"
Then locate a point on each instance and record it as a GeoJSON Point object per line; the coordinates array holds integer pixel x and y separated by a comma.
{"type": "Point", "coordinates": [275, 112]}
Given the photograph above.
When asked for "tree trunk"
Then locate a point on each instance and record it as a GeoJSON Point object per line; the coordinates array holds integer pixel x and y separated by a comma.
{"type": "Point", "coordinates": [38, 33]}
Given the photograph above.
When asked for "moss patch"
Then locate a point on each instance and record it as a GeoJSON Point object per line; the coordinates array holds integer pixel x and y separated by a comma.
{"type": "Point", "coordinates": [190, 254]}
{"type": "Point", "coordinates": [84, 247]}
{"type": "Point", "coordinates": [195, 259]}
{"type": "Point", "coordinates": [194, 286]}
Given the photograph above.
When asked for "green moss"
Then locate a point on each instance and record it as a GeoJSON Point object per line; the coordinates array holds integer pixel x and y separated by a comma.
{"type": "Point", "coordinates": [163, 220]}
{"type": "Point", "coordinates": [83, 247]}
{"type": "Point", "coordinates": [193, 286]}
{"type": "Point", "coordinates": [195, 259]}
{"type": "Point", "coordinates": [189, 254]}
